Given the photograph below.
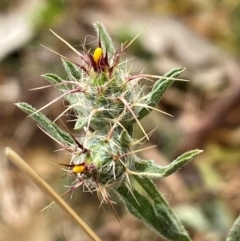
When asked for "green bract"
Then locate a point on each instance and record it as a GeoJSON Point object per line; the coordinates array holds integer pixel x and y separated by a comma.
{"type": "Point", "coordinates": [107, 102]}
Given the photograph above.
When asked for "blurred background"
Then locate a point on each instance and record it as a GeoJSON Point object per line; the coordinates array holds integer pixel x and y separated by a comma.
{"type": "Point", "coordinates": [202, 36]}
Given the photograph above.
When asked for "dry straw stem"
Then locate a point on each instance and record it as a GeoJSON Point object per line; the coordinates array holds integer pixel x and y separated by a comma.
{"type": "Point", "coordinates": [22, 165]}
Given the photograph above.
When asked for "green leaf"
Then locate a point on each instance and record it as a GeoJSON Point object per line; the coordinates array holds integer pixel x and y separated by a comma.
{"type": "Point", "coordinates": [72, 70]}
{"type": "Point", "coordinates": [130, 130]}
{"type": "Point", "coordinates": [154, 212]}
{"type": "Point", "coordinates": [152, 169]}
{"type": "Point", "coordinates": [51, 128]}
{"type": "Point", "coordinates": [158, 90]}
{"type": "Point", "coordinates": [234, 234]}
{"type": "Point", "coordinates": [56, 81]}
{"type": "Point", "coordinates": [106, 41]}
{"type": "Point", "coordinates": [125, 138]}
{"type": "Point", "coordinates": [80, 123]}
{"type": "Point", "coordinates": [164, 211]}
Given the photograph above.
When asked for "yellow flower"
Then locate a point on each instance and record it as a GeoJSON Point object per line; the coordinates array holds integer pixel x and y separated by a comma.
{"type": "Point", "coordinates": [97, 55]}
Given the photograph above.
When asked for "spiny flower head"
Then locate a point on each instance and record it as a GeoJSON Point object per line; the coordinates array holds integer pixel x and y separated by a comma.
{"type": "Point", "coordinates": [105, 101]}
{"type": "Point", "coordinates": [103, 94]}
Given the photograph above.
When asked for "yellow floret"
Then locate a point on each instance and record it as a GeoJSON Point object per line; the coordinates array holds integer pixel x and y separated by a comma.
{"type": "Point", "coordinates": [78, 169]}
{"type": "Point", "coordinates": [97, 55]}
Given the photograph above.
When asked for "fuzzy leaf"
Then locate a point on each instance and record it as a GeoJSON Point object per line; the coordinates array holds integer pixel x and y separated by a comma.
{"type": "Point", "coordinates": [130, 130]}
{"type": "Point", "coordinates": [72, 70]}
{"type": "Point", "coordinates": [164, 211]}
{"type": "Point", "coordinates": [158, 90]}
{"type": "Point", "coordinates": [234, 234]}
{"type": "Point", "coordinates": [80, 123]}
{"type": "Point", "coordinates": [125, 138]}
{"type": "Point", "coordinates": [150, 168]}
{"type": "Point", "coordinates": [154, 212]}
{"type": "Point", "coordinates": [106, 41]}
{"type": "Point", "coordinates": [51, 128]}
{"type": "Point", "coordinates": [55, 80]}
